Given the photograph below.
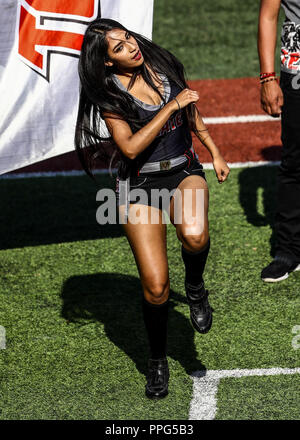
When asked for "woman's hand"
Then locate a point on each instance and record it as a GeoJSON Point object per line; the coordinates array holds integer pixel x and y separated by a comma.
{"type": "Point", "coordinates": [221, 168]}
{"type": "Point", "coordinates": [184, 98]}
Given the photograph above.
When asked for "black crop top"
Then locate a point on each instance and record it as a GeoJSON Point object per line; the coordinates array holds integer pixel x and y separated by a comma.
{"type": "Point", "coordinates": [174, 138]}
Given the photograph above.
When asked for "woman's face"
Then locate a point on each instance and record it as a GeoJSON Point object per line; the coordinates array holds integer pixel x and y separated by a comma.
{"type": "Point", "coordinates": [123, 50]}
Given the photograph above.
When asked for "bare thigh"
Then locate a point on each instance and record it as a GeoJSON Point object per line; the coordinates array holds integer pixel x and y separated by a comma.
{"type": "Point", "coordinates": [191, 209]}
{"type": "Point", "coordinates": [148, 242]}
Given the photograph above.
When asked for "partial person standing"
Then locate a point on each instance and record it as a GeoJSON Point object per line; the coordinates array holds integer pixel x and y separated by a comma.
{"type": "Point", "coordinates": [284, 100]}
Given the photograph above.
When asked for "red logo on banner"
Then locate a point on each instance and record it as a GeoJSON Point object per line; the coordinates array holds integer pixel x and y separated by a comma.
{"type": "Point", "coordinates": [52, 26]}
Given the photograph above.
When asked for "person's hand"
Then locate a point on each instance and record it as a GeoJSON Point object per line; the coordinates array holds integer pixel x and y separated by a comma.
{"type": "Point", "coordinates": [221, 168]}
{"type": "Point", "coordinates": [184, 98]}
{"type": "Point", "coordinates": [271, 98]}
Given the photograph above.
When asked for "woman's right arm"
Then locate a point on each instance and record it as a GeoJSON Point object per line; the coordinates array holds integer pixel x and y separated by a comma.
{"type": "Point", "coordinates": [131, 144]}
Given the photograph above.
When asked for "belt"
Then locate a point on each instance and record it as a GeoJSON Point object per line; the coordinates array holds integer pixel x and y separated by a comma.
{"type": "Point", "coordinates": [164, 165]}
{"type": "Point", "coordinates": [124, 185]}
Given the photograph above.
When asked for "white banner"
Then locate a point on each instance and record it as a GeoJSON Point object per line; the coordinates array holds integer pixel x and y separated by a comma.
{"type": "Point", "coordinates": [40, 42]}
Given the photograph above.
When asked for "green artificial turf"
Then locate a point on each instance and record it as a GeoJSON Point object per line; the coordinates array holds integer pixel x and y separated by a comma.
{"type": "Point", "coordinates": [216, 39]}
{"type": "Point", "coordinates": [258, 398]}
{"type": "Point", "coordinates": [71, 305]}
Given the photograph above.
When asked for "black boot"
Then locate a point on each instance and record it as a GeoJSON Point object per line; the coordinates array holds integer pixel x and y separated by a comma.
{"type": "Point", "coordinates": [200, 310]}
{"type": "Point", "coordinates": [157, 378]}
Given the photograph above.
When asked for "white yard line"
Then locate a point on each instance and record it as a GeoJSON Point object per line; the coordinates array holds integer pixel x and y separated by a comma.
{"type": "Point", "coordinates": [204, 402]}
{"type": "Point", "coordinates": [239, 119]}
{"type": "Point", "coordinates": [250, 164]}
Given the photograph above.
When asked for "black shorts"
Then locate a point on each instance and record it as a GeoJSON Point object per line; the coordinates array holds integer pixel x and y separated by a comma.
{"type": "Point", "coordinates": [168, 179]}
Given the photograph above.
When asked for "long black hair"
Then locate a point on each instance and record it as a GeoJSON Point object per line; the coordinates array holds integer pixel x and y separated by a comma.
{"type": "Point", "coordinates": [99, 94]}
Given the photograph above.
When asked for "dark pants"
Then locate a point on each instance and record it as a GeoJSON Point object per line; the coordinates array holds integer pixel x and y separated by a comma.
{"type": "Point", "coordinates": [287, 221]}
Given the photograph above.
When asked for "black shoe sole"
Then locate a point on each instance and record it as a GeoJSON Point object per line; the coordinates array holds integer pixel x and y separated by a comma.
{"type": "Point", "coordinates": [155, 396]}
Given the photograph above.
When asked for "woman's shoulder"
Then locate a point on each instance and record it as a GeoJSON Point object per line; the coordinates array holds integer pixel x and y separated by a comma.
{"type": "Point", "coordinates": [118, 82]}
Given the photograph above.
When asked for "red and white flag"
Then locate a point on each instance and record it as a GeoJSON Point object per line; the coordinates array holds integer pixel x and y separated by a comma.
{"type": "Point", "coordinates": [40, 42]}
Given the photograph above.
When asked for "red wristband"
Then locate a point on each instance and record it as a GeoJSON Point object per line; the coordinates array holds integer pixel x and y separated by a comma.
{"type": "Point", "coordinates": [266, 75]}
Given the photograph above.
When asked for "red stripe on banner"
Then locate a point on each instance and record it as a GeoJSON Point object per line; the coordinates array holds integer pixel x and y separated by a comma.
{"type": "Point", "coordinates": [84, 8]}
{"type": "Point", "coordinates": [29, 37]}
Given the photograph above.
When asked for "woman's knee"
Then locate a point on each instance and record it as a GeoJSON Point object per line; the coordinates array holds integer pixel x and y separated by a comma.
{"type": "Point", "coordinates": [156, 292]}
{"type": "Point", "coordinates": [194, 242]}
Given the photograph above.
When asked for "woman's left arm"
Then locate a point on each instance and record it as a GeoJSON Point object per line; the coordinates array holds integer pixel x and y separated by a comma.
{"type": "Point", "coordinates": [221, 168]}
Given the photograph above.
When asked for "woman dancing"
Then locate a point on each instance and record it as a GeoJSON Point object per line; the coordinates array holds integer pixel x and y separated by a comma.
{"type": "Point", "coordinates": [139, 89]}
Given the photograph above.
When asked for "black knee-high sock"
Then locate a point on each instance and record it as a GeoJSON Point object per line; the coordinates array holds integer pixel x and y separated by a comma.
{"type": "Point", "coordinates": [194, 264]}
{"type": "Point", "coordinates": [155, 318]}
